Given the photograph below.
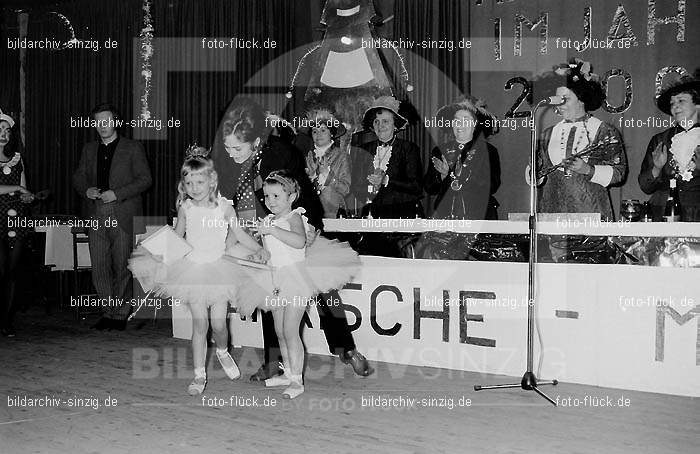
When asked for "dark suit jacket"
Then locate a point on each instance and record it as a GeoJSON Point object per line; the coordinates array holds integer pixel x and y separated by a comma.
{"type": "Point", "coordinates": [401, 197]}
{"type": "Point", "coordinates": [472, 200]}
{"type": "Point", "coordinates": [688, 191]}
{"type": "Point", "coordinates": [129, 176]}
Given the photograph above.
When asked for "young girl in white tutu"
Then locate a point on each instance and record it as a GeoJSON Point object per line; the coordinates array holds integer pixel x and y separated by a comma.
{"type": "Point", "coordinates": [298, 274]}
{"type": "Point", "coordinates": [202, 279]}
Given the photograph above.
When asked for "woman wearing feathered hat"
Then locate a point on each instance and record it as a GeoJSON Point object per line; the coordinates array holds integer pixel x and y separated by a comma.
{"type": "Point", "coordinates": [460, 172]}
{"type": "Point", "coordinates": [580, 183]}
{"type": "Point", "coordinates": [675, 152]}
{"type": "Point", "coordinates": [327, 165]}
{"type": "Point", "coordinates": [390, 173]}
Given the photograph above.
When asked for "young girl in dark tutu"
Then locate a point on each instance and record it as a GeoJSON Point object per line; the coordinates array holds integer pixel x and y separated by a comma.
{"type": "Point", "coordinates": [298, 274]}
{"type": "Point", "coordinates": [203, 279]}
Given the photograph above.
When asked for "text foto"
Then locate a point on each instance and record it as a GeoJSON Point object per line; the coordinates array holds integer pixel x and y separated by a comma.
{"type": "Point", "coordinates": [238, 43]}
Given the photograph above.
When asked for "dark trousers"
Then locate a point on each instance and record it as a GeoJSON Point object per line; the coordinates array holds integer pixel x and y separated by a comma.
{"type": "Point", "coordinates": [110, 249]}
{"type": "Point", "coordinates": [334, 324]}
{"type": "Point", "coordinates": [9, 264]}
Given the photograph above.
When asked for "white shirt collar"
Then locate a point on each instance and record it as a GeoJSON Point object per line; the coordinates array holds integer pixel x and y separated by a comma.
{"type": "Point", "coordinates": [116, 136]}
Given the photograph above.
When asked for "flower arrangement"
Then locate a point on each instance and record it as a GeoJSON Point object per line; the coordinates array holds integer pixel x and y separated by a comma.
{"type": "Point", "coordinates": [577, 68]}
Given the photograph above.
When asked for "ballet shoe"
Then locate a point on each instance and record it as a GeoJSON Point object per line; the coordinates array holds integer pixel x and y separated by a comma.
{"type": "Point", "coordinates": [279, 380]}
{"type": "Point", "coordinates": [295, 388]}
{"type": "Point", "coordinates": [229, 365]}
{"type": "Point", "coordinates": [197, 386]}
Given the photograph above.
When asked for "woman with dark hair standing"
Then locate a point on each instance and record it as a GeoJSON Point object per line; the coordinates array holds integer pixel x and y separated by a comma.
{"type": "Point", "coordinates": [14, 198]}
{"type": "Point", "coordinates": [245, 153]}
{"type": "Point", "coordinates": [580, 184]}
{"type": "Point", "coordinates": [460, 172]}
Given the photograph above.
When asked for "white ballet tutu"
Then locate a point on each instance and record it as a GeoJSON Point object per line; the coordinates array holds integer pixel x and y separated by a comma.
{"type": "Point", "coordinates": [189, 282]}
{"type": "Point", "coordinates": [328, 265]}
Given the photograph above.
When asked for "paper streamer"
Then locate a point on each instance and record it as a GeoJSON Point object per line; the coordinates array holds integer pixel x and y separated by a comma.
{"type": "Point", "coordinates": [146, 37]}
{"type": "Point", "coordinates": [69, 26]}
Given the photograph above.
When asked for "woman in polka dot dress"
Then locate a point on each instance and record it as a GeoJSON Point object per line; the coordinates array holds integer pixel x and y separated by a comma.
{"type": "Point", "coordinates": [14, 198]}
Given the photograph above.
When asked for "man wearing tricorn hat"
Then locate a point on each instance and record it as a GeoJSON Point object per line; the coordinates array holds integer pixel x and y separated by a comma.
{"type": "Point", "coordinates": [675, 152]}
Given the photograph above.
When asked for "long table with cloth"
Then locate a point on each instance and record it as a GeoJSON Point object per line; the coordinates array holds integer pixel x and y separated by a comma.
{"type": "Point", "coordinates": [628, 325]}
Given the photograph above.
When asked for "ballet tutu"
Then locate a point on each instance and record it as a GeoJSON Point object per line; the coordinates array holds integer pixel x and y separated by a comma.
{"type": "Point", "coordinates": [328, 265]}
{"type": "Point", "coordinates": [189, 282]}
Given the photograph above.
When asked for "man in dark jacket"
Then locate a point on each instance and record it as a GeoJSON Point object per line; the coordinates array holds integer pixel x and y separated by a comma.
{"type": "Point", "coordinates": [112, 174]}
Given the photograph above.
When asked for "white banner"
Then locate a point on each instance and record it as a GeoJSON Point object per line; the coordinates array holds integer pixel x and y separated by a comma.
{"type": "Point", "coordinates": [620, 326]}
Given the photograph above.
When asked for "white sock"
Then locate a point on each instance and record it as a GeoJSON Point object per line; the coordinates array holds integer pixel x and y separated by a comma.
{"type": "Point", "coordinates": [200, 372]}
{"type": "Point", "coordinates": [221, 351]}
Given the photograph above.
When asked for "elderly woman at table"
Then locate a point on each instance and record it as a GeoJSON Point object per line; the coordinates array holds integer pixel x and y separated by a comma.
{"type": "Point", "coordinates": [14, 198]}
{"type": "Point", "coordinates": [327, 165]}
{"type": "Point", "coordinates": [460, 172]}
{"type": "Point", "coordinates": [389, 174]}
{"type": "Point", "coordinates": [589, 153]}
{"type": "Point", "coordinates": [463, 174]}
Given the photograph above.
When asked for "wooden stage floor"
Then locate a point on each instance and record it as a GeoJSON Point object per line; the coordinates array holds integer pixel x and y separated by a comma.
{"type": "Point", "coordinates": [143, 374]}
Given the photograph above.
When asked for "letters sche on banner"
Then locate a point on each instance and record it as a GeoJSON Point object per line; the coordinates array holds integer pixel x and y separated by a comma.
{"type": "Point", "coordinates": [637, 328]}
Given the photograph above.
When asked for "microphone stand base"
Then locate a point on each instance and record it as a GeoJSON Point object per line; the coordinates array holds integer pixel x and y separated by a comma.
{"type": "Point", "coordinates": [528, 383]}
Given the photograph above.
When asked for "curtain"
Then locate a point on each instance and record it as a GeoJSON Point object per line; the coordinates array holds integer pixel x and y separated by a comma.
{"type": "Point", "coordinates": [64, 85]}
{"type": "Point", "coordinates": [438, 75]}
{"type": "Point", "coordinates": [9, 65]}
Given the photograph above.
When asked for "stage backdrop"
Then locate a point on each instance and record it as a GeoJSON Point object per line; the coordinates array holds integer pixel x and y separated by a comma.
{"type": "Point", "coordinates": [658, 33]}
{"type": "Point", "coordinates": [618, 326]}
